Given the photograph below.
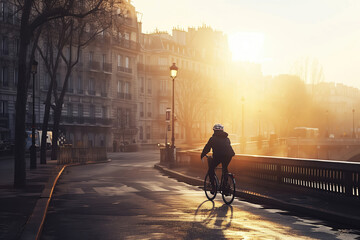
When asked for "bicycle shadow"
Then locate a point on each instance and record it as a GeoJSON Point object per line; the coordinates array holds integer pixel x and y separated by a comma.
{"type": "Point", "coordinates": [212, 220]}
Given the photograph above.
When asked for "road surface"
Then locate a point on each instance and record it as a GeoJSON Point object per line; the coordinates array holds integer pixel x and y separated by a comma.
{"type": "Point", "coordinates": [128, 199]}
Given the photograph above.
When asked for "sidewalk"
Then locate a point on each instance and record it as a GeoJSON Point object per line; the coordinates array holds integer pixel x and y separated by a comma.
{"type": "Point", "coordinates": [20, 207]}
{"type": "Point", "coordinates": [342, 212]}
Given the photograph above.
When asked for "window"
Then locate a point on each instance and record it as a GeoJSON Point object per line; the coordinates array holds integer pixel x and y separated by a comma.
{"type": "Point", "coordinates": [163, 61]}
{"type": "Point", "coordinates": [3, 107]}
{"type": "Point", "coordinates": [17, 46]}
{"type": "Point", "coordinates": [5, 46]}
{"type": "Point", "coordinates": [70, 84]}
{"type": "Point", "coordinates": [80, 110]}
{"type": "Point", "coordinates": [4, 77]}
{"type": "Point", "coordinates": [119, 60]}
{"type": "Point", "coordinates": [127, 62]}
{"type": "Point", "coordinates": [104, 59]}
{"type": "Point", "coordinates": [127, 88]}
{"type": "Point", "coordinates": [163, 85]}
{"type": "Point", "coordinates": [141, 84]}
{"type": "Point", "coordinates": [91, 84]}
{"type": "Point", "coordinates": [141, 133]}
{"type": "Point", "coordinates": [104, 112]}
{"type": "Point", "coordinates": [16, 76]}
{"type": "Point", "coordinates": [92, 111]}
{"type": "Point", "coordinates": [149, 110]}
{"type": "Point", "coordinates": [2, 6]}
{"type": "Point", "coordinates": [91, 56]}
{"type": "Point", "coordinates": [148, 132]}
{"type": "Point", "coordinates": [127, 117]}
{"type": "Point", "coordinates": [119, 86]}
{"type": "Point", "coordinates": [69, 110]}
{"type": "Point", "coordinates": [149, 86]}
{"type": "Point", "coordinates": [80, 85]}
{"type": "Point", "coordinates": [141, 109]}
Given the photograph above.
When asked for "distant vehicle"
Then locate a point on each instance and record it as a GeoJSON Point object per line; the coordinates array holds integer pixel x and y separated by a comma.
{"type": "Point", "coordinates": [305, 132]}
{"type": "Point", "coordinates": [48, 138]}
{"type": "Point", "coordinates": [29, 140]}
{"type": "Point", "coordinates": [38, 136]}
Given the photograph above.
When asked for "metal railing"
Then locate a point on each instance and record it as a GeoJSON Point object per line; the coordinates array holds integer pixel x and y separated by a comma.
{"type": "Point", "coordinates": [336, 177]}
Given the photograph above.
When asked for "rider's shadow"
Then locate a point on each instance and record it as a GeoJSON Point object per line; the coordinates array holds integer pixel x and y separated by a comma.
{"type": "Point", "coordinates": [214, 217]}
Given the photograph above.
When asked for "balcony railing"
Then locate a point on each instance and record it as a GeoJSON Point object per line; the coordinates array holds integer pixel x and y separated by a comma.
{"type": "Point", "coordinates": [104, 94]}
{"type": "Point", "coordinates": [107, 67]}
{"type": "Point", "coordinates": [127, 96]}
{"type": "Point", "coordinates": [80, 91]}
{"type": "Point", "coordinates": [124, 69]}
{"type": "Point", "coordinates": [91, 92]}
{"type": "Point", "coordinates": [94, 65]}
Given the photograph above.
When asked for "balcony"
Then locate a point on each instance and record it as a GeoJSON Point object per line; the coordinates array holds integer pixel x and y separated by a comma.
{"type": "Point", "coordinates": [107, 67]}
{"type": "Point", "coordinates": [90, 120]}
{"type": "Point", "coordinates": [120, 95]}
{"type": "Point", "coordinates": [124, 69]}
{"type": "Point", "coordinates": [91, 92]}
{"type": "Point", "coordinates": [94, 66]}
{"type": "Point", "coordinates": [103, 94]}
{"type": "Point", "coordinates": [80, 91]}
{"type": "Point", "coordinates": [127, 96]}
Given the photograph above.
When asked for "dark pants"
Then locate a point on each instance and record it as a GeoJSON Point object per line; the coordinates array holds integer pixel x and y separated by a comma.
{"type": "Point", "coordinates": [214, 163]}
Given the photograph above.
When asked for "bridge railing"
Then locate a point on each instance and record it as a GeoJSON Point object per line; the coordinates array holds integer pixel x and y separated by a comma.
{"type": "Point", "coordinates": [335, 177]}
{"type": "Point", "coordinates": [81, 155]}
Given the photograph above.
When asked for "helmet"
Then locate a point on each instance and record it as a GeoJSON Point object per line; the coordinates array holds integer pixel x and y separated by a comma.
{"type": "Point", "coordinates": [218, 127]}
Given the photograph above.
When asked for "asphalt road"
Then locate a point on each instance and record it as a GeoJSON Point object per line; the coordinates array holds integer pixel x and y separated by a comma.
{"type": "Point", "coordinates": [128, 199]}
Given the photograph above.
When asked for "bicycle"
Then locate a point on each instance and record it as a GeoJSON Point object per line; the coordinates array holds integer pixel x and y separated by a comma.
{"type": "Point", "coordinates": [227, 192]}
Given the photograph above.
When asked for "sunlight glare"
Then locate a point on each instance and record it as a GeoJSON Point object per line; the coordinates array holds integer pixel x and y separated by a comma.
{"type": "Point", "coordinates": [247, 46]}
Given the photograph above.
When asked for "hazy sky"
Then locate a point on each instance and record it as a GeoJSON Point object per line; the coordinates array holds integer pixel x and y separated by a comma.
{"type": "Point", "coordinates": [273, 32]}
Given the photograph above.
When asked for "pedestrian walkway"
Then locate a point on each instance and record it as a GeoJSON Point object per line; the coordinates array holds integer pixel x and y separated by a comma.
{"type": "Point", "coordinates": [17, 205]}
{"type": "Point", "coordinates": [343, 212]}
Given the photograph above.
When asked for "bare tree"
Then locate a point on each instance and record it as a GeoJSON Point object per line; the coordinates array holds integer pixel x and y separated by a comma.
{"type": "Point", "coordinates": [309, 70]}
{"type": "Point", "coordinates": [73, 35]}
{"type": "Point", "coordinates": [192, 96]}
{"type": "Point", "coordinates": [35, 13]}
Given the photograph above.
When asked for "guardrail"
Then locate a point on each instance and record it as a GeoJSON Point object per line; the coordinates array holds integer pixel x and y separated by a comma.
{"type": "Point", "coordinates": [81, 155]}
{"type": "Point", "coordinates": [334, 177]}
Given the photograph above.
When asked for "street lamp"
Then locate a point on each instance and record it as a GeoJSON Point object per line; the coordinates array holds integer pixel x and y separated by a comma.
{"type": "Point", "coordinates": [33, 147]}
{"type": "Point", "coordinates": [353, 135]}
{"type": "Point", "coordinates": [173, 74]}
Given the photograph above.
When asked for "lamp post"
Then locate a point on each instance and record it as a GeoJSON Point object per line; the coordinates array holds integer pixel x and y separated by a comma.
{"type": "Point", "coordinates": [242, 125]}
{"type": "Point", "coordinates": [353, 135]}
{"type": "Point", "coordinates": [327, 124]}
{"type": "Point", "coordinates": [33, 147]}
{"type": "Point", "coordinates": [173, 74]}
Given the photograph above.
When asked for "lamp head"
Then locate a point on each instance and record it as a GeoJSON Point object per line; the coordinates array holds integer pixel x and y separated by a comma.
{"type": "Point", "coordinates": [173, 71]}
{"type": "Point", "coordinates": [34, 66]}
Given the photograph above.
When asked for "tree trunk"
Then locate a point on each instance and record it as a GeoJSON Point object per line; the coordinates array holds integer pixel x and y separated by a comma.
{"type": "Point", "coordinates": [44, 132]}
{"type": "Point", "coordinates": [54, 147]}
{"type": "Point", "coordinates": [21, 98]}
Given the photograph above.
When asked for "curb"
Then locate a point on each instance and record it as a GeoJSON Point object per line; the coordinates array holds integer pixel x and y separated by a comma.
{"type": "Point", "coordinates": [330, 216]}
{"type": "Point", "coordinates": [35, 223]}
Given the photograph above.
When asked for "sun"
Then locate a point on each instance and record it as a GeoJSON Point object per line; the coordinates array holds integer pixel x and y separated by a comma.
{"type": "Point", "coordinates": [247, 46]}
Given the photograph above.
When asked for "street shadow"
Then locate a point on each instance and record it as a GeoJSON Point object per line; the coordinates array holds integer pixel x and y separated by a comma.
{"type": "Point", "coordinates": [210, 221]}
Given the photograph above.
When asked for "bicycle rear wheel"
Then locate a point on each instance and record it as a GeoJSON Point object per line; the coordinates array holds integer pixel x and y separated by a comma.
{"type": "Point", "coordinates": [210, 191]}
{"type": "Point", "coordinates": [228, 193]}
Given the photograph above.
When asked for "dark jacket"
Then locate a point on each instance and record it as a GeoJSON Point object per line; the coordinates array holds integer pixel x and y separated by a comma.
{"type": "Point", "coordinates": [220, 145]}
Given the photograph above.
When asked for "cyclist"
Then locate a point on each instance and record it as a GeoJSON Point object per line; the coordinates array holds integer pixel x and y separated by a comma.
{"type": "Point", "coordinates": [222, 152]}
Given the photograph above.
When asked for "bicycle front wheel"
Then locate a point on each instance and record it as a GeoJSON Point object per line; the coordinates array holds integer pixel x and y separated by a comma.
{"type": "Point", "coordinates": [210, 190]}
{"type": "Point", "coordinates": [228, 193]}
